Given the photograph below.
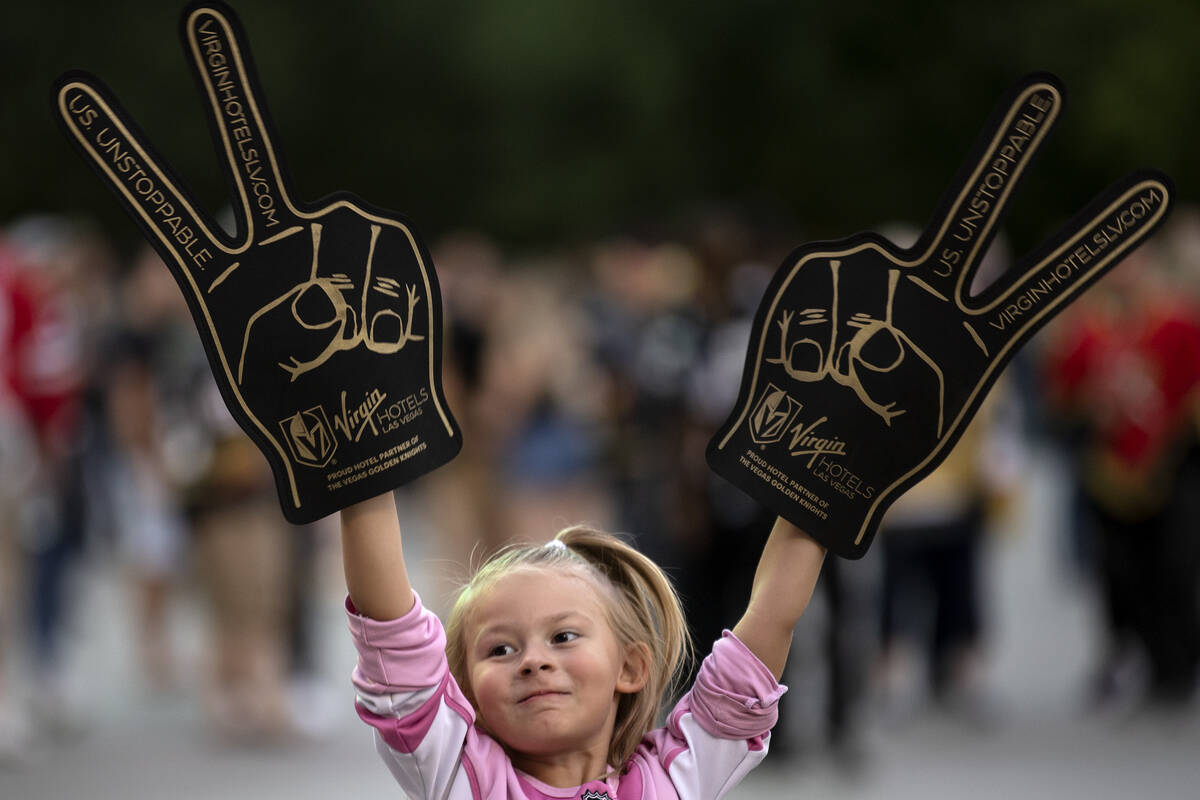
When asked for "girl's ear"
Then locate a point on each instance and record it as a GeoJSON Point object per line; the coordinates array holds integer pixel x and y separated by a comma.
{"type": "Point", "coordinates": [635, 669]}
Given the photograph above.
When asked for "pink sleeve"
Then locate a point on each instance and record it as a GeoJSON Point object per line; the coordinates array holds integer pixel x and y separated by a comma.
{"type": "Point", "coordinates": [720, 729]}
{"type": "Point", "coordinates": [400, 655]}
{"type": "Point", "coordinates": [424, 724]}
{"type": "Point", "coordinates": [735, 696]}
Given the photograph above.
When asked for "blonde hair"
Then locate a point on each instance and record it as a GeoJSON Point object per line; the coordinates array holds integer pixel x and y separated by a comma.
{"type": "Point", "coordinates": [643, 609]}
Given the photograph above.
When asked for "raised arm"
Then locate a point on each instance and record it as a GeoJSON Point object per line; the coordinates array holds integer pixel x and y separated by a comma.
{"type": "Point", "coordinates": [373, 558]}
{"type": "Point", "coordinates": [783, 584]}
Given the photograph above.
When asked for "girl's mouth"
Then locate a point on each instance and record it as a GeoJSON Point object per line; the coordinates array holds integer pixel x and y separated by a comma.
{"type": "Point", "coordinates": [542, 693]}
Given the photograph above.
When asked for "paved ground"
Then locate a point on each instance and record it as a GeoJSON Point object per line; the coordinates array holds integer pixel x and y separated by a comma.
{"type": "Point", "coordinates": [137, 745]}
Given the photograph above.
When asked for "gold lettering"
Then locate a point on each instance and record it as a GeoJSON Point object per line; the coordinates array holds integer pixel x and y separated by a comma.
{"type": "Point", "coordinates": [240, 131]}
{"type": "Point", "coordinates": [947, 259]}
{"type": "Point", "coordinates": [1105, 234]}
{"type": "Point", "coordinates": [85, 115]}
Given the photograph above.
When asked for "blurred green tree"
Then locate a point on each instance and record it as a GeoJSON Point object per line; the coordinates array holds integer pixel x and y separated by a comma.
{"type": "Point", "coordinates": [544, 121]}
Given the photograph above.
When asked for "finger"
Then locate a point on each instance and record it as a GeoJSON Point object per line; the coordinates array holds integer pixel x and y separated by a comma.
{"type": "Point", "coordinates": [147, 189]}
{"type": "Point", "coordinates": [1092, 243]}
{"type": "Point", "coordinates": [801, 337]}
{"type": "Point", "coordinates": [396, 307]}
{"type": "Point", "coordinates": [967, 217]}
{"type": "Point", "coordinates": [222, 63]}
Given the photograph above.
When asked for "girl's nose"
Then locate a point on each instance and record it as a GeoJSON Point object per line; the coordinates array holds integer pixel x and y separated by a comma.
{"type": "Point", "coordinates": [535, 661]}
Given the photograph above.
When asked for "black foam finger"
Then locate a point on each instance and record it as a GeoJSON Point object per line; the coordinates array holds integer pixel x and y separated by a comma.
{"type": "Point", "coordinates": [831, 444]}
{"type": "Point", "coordinates": [321, 323]}
{"type": "Point", "coordinates": [237, 112]}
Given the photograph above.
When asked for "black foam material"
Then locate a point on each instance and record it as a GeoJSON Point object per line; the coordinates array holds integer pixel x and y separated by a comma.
{"type": "Point", "coordinates": [321, 321]}
{"type": "Point", "coordinates": [867, 360]}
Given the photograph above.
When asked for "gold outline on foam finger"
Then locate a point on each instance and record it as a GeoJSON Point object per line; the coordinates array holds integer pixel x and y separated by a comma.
{"type": "Point", "coordinates": [152, 166]}
{"type": "Point", "coordinates": [1015, 336]}
{"type": "Point", "coordinates": [233, 44]}
{"type": "Point", "coordinates": [1001, 130]}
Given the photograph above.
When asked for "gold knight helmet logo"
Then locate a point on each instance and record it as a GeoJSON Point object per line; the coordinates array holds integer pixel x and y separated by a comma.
{"type": "Point", "coordinates": [309, 437]}
{"type": "Point", "coordinates": [773, 416]}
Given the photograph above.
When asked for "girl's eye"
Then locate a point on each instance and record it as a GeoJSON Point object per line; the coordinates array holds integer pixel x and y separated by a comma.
{"type": "Point", "coordinates": [501, 650]}
{"type": "Point", "coordinates": [562, 637]}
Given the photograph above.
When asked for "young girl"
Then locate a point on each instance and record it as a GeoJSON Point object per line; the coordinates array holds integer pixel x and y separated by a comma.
{"type": "Point", "coordinates": [552, 667]}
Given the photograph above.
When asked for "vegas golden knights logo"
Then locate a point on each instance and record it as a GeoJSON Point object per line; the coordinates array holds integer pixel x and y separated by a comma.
{"type": "Point", "coordinates": [773, 416]}
{"type": "Point", "coordinates": [309, 437]}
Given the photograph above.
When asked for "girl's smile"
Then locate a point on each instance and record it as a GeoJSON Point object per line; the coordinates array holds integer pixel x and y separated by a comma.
{"type": "Point", "coordinates": [544, 694]}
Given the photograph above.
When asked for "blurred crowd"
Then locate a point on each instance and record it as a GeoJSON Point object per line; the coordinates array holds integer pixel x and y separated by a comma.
{"type": "Point", "coordinates": [587, 382]}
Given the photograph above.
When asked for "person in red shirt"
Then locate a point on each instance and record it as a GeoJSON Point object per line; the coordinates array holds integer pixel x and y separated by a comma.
{"type": "Point", "coordinates": [41, 393]}
{"type": "Point", "coordinates": [1124, 372]}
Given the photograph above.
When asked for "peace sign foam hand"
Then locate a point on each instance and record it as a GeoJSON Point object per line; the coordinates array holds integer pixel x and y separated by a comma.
{"type": "Point", "coordinates": [321, 322]}
{"type": "Point", "coordinates": [867, 361]}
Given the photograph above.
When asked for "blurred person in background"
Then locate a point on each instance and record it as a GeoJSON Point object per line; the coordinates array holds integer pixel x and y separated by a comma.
{"type": "Point", "coordinates": [153, 450]}
{"type": "Point", "coordinates": [1122, 372]}
{"type": "Point", "coordinates": [545, 404]}
{"type": "Point", "coordinates": [516, 369]}
{"type": "Point", "coordinates": [243, 558]}
{"type": "Point", "coordinates": [645, 332]}
{"type": "Point", "coordinates": [934, 623]}
{"type": "Point", "coordinates": [18, 469]}
{"type": "Point", "coordinates": [463, 498]}
{"type": "Point", "coordinates": [139, 499]}
{"type": "Point", "coordinates": [56, 278]}
{"type": "Point", "coordinates": [722, 525]}
{"type": "Point", "coordinates": [226, 493]}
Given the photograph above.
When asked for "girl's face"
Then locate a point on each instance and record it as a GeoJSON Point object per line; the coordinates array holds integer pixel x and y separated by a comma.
{"type": "Point", "coordinates": [545, 667]}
